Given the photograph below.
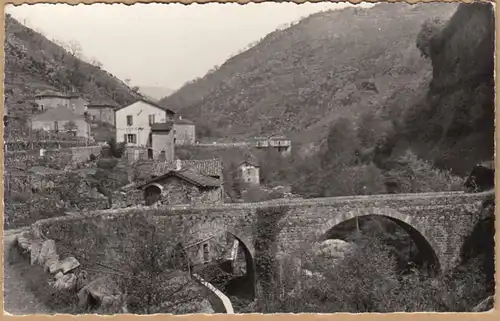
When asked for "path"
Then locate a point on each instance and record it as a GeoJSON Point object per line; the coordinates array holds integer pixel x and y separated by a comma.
{"type": "Point", "coordinates": [18, 299]}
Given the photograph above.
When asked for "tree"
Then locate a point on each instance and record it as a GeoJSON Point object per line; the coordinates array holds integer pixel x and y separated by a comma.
{"type": "Point", "coordinates": [409, 174]}
{"type": "Point", "coordinates": [96, 63]}
{"type": "Point", "coordinates": [342, 146]}
{"type": "Point", "coordinates": [74, 48]}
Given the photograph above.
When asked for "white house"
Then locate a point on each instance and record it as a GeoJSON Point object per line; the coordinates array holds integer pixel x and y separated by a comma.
{"type": "Point", "coordinates": [133, 122]}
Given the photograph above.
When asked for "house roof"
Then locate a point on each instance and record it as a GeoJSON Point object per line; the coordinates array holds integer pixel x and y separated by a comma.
{"type": "Point", "coordinates": [208, 167]}
{"type": "Point", "coordinates": [149, 102]}
{"type": "Point", "coordinates": [272, 137]}
{"type": "Point", "coordinates": [101, 104]}
{"type": "Point", "coordinates": [157, 127]}
{"type": "Point", "coordinates": [53, 93]}
{"type": "Point", "coordinates": [188, 176]}
{"type": "Point", "coordinates": [183, 121]}
{"type": "Point", "coordinates": [60, 113]}
{"type": "Point", "coordinates": [249, 162]}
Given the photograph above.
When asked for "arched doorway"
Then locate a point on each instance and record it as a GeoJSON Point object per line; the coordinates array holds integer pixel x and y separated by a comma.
{"type": "Point", "coordinates": [152, 194]}
{"type": "Point", "coordinates": [412, 248]}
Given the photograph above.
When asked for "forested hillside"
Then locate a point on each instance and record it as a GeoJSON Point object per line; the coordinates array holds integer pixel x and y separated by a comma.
{"type": "Point", "coordinates": [329, 65]}
{"type": "Point", "coordinates": [34, 63]}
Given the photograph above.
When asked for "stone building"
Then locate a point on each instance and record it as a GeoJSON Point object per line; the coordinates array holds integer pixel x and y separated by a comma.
{"type": "Point", "coordinates": [282, 144]}
{"type": "Point", "coordinates": [62, 119]}
{"type": "Point", "coordinates": [185, 186]}
{"type": "Point", "coordinates": [249, 172]}
{"type": "Point", "coordinates": [134, 122]}
{"type": "Point", "coordinates": [102, 112]}
{"type": "Point", "coordinates": [184, 130]}
{"type": "Point", "coordinates": [161, 142]}
{"type": "Point", "coordinates": [51, 99]}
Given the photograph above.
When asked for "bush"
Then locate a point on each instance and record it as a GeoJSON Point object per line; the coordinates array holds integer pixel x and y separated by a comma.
{"type": "Point", "coordinates": [115, 149]}
{"type": "Point", "coordinates": [412, 175]}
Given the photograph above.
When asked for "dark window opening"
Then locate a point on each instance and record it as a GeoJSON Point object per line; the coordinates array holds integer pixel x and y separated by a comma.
{"type": "Point", "coordinates": [206, 253]}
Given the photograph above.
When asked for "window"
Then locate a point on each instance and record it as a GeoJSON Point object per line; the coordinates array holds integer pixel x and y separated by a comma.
{"type": "Point", "coordinates": [130, 138]}
{"type": "Point", "coordinates": [151, 119]}
{"type": "Point", "coordinates": [93, 117]}
{"type": "Point", "coordinates": [206, 253]}
{"type": "Point", "coordinates": [56, 126]}
{"type": "Point", "coordinates": [129, 120]}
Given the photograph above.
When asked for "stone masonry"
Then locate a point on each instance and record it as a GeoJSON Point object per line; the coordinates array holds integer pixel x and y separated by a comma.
{"type": "Point", "coordinates": [438, 222]}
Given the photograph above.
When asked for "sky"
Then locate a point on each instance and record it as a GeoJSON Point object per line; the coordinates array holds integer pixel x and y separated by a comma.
{"type": "Point", "coordinates": [162, 45]}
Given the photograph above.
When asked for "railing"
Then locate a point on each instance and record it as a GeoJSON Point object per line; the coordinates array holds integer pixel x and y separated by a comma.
{"type": "Point", "coordinates": [228, 306]}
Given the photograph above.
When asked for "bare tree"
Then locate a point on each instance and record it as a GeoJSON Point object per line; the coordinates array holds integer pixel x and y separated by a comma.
{"type": "Point", "coordinates": [96, 63]}
{"type": "Point", "coordinates": [74, 48]}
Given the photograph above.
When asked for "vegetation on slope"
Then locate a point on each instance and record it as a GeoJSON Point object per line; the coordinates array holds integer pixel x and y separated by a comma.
{"type": "Point", "coordinates": [34, 63]}
{"type": "Point", "coordinates": [331, 64]}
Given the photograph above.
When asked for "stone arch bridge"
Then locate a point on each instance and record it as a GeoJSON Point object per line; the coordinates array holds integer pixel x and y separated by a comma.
{"type": "Point", "coordinates": [437, 222]}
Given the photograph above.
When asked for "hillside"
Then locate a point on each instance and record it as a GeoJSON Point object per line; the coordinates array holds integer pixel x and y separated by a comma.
{"type": "Point", "coordinates": [34, 63]}
{"type": "Point", "coordinates": [331, 64]}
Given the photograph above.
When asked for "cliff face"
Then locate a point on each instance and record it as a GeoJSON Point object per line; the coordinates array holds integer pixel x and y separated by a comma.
{"type": "Point", "coordinates": [454, 124]}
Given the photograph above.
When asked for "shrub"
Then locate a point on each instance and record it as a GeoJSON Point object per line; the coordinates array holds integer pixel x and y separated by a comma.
{"type": "Point", "coordinates": [409, 174]}
{"type": "Point", "coordinates": [116, 149]}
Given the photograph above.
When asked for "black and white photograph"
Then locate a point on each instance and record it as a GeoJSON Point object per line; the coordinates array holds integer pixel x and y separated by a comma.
{"type": "Point", "coordinates": [273, 157]}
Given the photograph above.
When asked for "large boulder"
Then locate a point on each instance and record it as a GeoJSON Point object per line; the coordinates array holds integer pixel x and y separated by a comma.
{"type": "Point", "coordinates": [36, 246]}
{"type": "Point", "coordinates": [66, 282]}
{"type": "Point", "coordinates": [48, 253]}
{"type": "Point", "coordinates": [69, 264]}
{"type": "Point", "coordinates": [24, 241]}
{"type": "Point", "coordinates": [103, 295]}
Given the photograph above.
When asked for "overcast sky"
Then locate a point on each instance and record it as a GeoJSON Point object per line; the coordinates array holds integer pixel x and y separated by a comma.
{"type": "Point", "coordinates": [161, 44]}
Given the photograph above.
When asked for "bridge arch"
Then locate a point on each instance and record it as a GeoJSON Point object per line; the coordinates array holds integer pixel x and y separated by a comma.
{"type": "Point", "coordinates": [251, 277]}
{"type": "Point", "coordinates": [425, 244]}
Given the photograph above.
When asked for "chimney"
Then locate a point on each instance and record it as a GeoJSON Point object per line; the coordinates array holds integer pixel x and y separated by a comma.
{"type": "Point", "coordinates": [178, 164]}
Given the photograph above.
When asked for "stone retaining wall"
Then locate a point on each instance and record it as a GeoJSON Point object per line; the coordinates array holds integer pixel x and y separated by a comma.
{"type": "Point", "coordinates": [62, 156]}
{"type": "Point", "coordinates": [90, 287]}
{"type": "Point", "coordinates": [70, 278]}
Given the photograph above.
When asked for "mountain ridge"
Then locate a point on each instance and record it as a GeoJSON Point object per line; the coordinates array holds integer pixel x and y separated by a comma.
{"type": "Point", "coordinates": [298, 80]}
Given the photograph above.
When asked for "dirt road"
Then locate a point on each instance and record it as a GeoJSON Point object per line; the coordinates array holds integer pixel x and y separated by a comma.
{"type": "Point", "coordinates": [18, 299]}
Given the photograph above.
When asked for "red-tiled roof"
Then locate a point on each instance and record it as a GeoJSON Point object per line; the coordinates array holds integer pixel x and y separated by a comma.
{"type": "Point", "coordinates": [188, 176]}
